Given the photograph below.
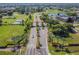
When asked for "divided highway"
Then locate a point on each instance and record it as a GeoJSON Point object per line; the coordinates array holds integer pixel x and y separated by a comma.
{"type": "Point", "coordinates": [31, 47]}
{"type": "Point", "coordinates": [43, 36]}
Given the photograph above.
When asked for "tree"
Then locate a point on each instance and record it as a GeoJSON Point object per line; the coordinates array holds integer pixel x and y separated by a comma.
{"type": "Point", "coordinates": [69, 27]}
{"type": "Point", "coordinates": [60, 30]}
{"type": "Point", "coordinates": [28, 24]}
{"type": "Point", "coordinates": [70, 20]}
{"type": "Point", "coordinates": [10, 13]}
{"type": "Point", "coordinates": [22, 22]}
{"type": "Point", "coordinates": [0, 19]}
{"type": "Point", "coordinates": [21, 9]}
{"type": "Point", "coordinates": [30, 16]}
{"type": "Point", "coordinates": [72, 13]}
{"type": "Point", "coordinates": [44, 17]}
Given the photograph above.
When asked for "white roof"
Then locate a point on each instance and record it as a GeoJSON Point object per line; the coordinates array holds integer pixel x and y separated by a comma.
{"type": "Point", "coordinates": [19, 20]}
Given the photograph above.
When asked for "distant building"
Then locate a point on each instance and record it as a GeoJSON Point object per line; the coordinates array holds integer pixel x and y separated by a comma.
{"type": "Point", "coordinates": [4, 14]}
{"type": "Point", "coordinates": [62, 16]}
{"type": "Point", "coordinates": [71, 19]}
{"type": "Point", "coordinates": [19, 21]}
{"type": "Point", "coordinates": [8, 8]}
{"type": "Point", "coordinates": [77, 17]}
{"type": "Point", "coordinates": [59, 16]}
{"type": "Point", "coordinates": [52, 14]}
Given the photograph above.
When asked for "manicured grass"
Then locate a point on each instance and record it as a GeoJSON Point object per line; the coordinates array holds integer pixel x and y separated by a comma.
{"type": "Point", "coordinates": [9, 31]}
{"type": "Point", "coordinates": [20, 16]}
{"type": "Point", "coordinates": [55, 11]}
{"type": "Point", "coordinates": [52, 50]}
{"type": "Point", "coordinates": [12, 19]}
{"type": "Point", "coordinates": [73, 48]}
{"type": "Point", "coordinates": [7, 53]}
{"type": "Point", "coordinates": [75, 53]}
{"type": "Point", "coordinates": [8, 19]}
{"type": "Point", "coordinates": [74, 39]}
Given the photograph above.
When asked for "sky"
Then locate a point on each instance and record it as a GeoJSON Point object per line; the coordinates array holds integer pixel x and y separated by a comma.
{"type": "Point", "coordinates": [39, 1]}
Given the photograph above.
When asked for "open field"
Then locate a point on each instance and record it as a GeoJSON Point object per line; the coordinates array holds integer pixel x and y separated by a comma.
{"type": "Point", "coordinates": [74, 39]}
{"type": "Point", "coordinates": [55, 11]}
{"type": "Point", "coordinates": [52, 50]}
{"type": "Point", "coordinates": [12, 19]}
{"type": "Point", "coordinates": [7, 53]}
{"type": "Point", "coordinates": [9, 31]}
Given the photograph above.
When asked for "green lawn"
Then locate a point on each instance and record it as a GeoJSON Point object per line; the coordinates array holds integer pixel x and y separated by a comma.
{"type": "Point", "coordinates": [52, 50]}
{"type": "Point", "coordinates": [74, 39]}
{"type": "Point", "coordinates": [8, 20]}
{"type": "Point", "coordinates": [55, 11]}
{"type": "Point", "coordinates": [7, 53]}
{"type": "Point", "coordinates": [12, 19]}
{"type": "Point", "coordinates": [20, 16]}
{"type": "Point", "coordinates": [9, 31]}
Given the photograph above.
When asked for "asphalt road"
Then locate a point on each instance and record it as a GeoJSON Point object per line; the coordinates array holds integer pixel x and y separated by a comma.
{"type": "Point", "coordinates": [31, 47]}
{"type": "Point", "coordinates": [43, 38]}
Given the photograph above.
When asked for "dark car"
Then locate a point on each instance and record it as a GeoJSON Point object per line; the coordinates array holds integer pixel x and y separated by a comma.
{"type": "Point", "coordinates": [33, 36]}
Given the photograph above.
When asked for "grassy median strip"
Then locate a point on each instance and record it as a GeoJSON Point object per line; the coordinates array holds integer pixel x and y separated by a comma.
{"type": "Point", "coordinates": [38, 42]}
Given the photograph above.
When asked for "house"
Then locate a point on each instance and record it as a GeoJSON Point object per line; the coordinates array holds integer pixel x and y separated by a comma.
{"type": "Point", "coordinates": [59, 16]}
{"type": "Point", "coordinates": [62, 16]}
{"type": "Point", "coordinates": [51, 16]}
{"type": "Point", "coordinates": [77, 18]}
{"type": "Point", "coordinates": [71, 19]}
{"type": "Point", "coordinates": [19, 21]}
